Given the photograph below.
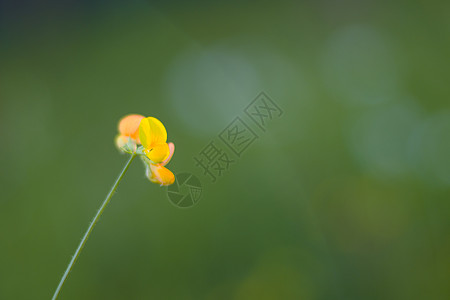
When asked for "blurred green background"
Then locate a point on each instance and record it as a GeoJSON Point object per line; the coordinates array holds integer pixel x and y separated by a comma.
{"type": "Point", "coordinates": [346, 196]}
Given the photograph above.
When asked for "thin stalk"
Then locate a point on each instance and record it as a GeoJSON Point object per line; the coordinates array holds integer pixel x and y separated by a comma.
{"type": "Point", "coordinates": [91, 226]}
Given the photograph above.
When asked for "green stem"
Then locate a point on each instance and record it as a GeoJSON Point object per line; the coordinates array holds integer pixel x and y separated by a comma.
{"type": "Point", "coordinates": [91, 226]}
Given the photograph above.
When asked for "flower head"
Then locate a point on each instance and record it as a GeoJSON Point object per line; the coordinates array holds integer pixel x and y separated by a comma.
{"type": "Point", "coordinates": [158, 152]}
{"type": "Point", "coordinates": [155, 152]}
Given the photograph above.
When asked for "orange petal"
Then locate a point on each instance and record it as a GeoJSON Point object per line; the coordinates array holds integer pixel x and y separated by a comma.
{"type": "Point", "coordinates": [171, 151]}
{"type": "Point", "coordinates": [162, 174]}
{"type": "Point", "coordinates": [129, 126]}
{"type": "Point", "coordinates": [150, 175]}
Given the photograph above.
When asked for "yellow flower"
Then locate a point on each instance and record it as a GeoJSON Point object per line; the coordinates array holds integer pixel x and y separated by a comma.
{"type": "Point", "coordinates": [128, 130]}
{"type": "Point", "coordinates": [155, 152]}
{"type": "Point", "coordinates": [153, 136]}
{"type": "Point", "coordinates": [157, 173]}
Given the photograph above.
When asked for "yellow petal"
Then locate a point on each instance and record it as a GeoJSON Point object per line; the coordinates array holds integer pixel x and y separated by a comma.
{"type": "Point", "coordinates": [162, 174]}
{"type": "Point", "coordinates": [158, 153]}
{"type": "Point", "coordinates": [171, 151]}
{"type": "Point", "coordinates": [152, 132]}
{"type": "Point", "coordinates": [129, 126]}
